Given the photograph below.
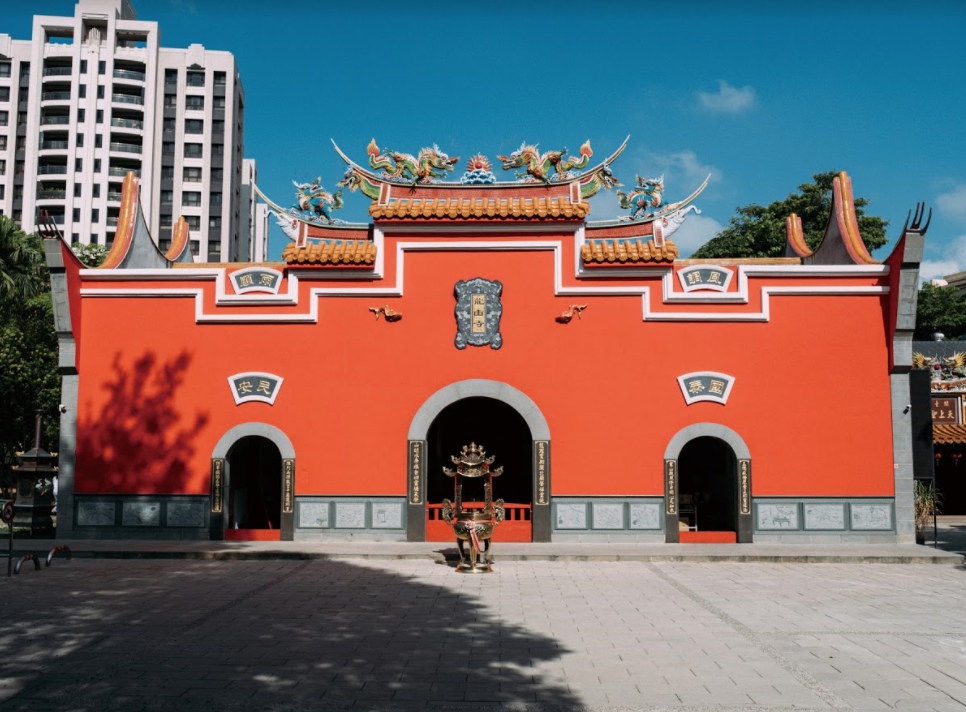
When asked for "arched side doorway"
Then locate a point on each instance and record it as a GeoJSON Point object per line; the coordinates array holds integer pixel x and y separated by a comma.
{"type": "Point", "coordinates": [707, 486]}
{"type": "Point", "coordinates": [253, 483]}
{"type": "Point", "coordinates": [420, 456]}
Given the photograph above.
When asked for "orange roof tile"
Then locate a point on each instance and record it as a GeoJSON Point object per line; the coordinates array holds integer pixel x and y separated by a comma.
{"type": "Point", "coordinates": [634, 251]}
{"type": "Point", "coordinates": [331, 252]}
{"type": "Point", "coordinates": [946, 434]}
{"type": "Point", "coordinates": [481, 209]}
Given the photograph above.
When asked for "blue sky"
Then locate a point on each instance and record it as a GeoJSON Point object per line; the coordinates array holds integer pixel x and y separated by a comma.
{"type": "Point", "coordinates": [760, 95]}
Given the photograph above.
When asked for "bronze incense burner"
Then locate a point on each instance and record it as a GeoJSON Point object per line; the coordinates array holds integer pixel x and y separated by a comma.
{"type": "Point", "coordinates": [473, 526]}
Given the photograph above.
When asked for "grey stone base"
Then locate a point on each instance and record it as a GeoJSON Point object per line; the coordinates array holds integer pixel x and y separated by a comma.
{"type": "Point", "coordinates": [140, 516]}
{"type": "Point", "coordinates": [608, 538]}
{"type": "Point", "coordinates": [854, 519]}
{"type": "Point", "coordinates": [615, 518]}
{"type": "Point", "coordinates": [323, 518]}
{"type": "Point", "coordinates": [825, 538]}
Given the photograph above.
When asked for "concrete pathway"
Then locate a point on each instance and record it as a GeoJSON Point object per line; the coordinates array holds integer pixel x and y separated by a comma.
{"type": "Point", "coordinates": [386, 634]}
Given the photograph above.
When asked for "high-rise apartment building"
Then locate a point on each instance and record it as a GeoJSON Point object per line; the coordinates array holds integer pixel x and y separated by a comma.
{"type": "Point", "coordinates": [90, 97]}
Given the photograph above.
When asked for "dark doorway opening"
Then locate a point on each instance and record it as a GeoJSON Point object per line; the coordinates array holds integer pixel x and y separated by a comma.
{"type": "Point", "coordinates": [950, 478]}
{"type": "Point", "coordinates": [708, 491]}
{"type": "Point", "coordinates": [254, 489]}
{"type": "Point", "coordinates": [505, 434]}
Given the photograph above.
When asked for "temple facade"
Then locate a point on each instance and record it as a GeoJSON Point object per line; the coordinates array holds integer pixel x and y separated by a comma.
{"type": "Point", "coordinates": [628, 394]}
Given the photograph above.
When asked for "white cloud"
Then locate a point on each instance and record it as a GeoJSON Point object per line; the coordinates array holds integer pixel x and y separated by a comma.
{"type": "Point", "coordinates": [682, 172]}
{"type": "Point", "coordinates": [953, 203]}
{"type": "Point", "coordinates": [952, 260]}
{"type": "Point", "coordinates": [696, 230]}
{"type": "Point", "coordinates": [728, 99]}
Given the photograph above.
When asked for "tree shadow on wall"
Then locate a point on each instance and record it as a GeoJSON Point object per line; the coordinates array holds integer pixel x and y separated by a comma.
{"type": "Point", "coordinates": [270, 635]}
{"type": "Point", "coordinates": [138, 438]}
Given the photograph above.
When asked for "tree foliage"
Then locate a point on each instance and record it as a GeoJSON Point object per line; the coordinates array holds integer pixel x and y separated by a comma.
{"type": "Point", "coordinates": [23, 273]}
{"type": "Point", "coordinates": [941, 309]}
{"type": "Point", "coordinates": [91, 254]}
{"type": "Point", "coordinates": [759, 231]}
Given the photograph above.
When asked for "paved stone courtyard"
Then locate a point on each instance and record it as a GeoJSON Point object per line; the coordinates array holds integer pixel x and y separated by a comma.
{"type": "Point", "coordinates": [101, 634]}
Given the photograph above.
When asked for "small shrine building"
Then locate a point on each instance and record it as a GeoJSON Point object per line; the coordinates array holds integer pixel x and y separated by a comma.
{"type": "Point", "coordinates": [629, 395]}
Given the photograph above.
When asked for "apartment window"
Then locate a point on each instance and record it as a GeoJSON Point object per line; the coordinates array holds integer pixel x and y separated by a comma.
{"type": "Point", "coordinates": [78, 164]}
{"type": "Point", "coordinates": [170, 101]}
{"type": "Point", "coordinates": [167, 196]}
{"type": "Point", "coordinates": [98, 141]}
{"type": "Point", "coordinates": [4, 69]}
{"type": "Point", "coordinates": [194, 222]}
{"type": "Point", "coordinates": [77, 192]}
{"type": "Point", "coordinates": [221, 79]}
{"type": "Point", "coordinates": [23, 94]}
{"type": "Point", "coordinates": [219, 102]}
{"type": "Point", "coordinates": [215, 222]}
{"type": "Point", "coordinates": [18, 168]}
{"type": "Point", "coordinates": [170, 76]}
{"type": "Point", "coordinates": [21, 118]}
{"type": "Point", "coordinates": [99, 116]}
{"type": "Point", "coordinates": [100, 91]}
{"type": "Point", "coordinates": [192, 175]}
{"type": "Point", "coordinates": [167, 172]}
{"type": "Point", "coordinates": [83, 66]}
{"type": "Point", "coordinates": [191, 199]}
{"type": "Point", "coordinates": [76, 215]}
{"type": "Point", "coordinates": [215, 200]}
{"type": "Point", "coordinates": [3, 168]}
{"type": "Point", "coordinates": [81, 115]}
{"type": "Point", "coordinates": [4, 118]}
{"type": "Point", "coordinates": [170, 124]}
{"type": "Point", "coordinates": [196, 79]}
{"type": "Point", "coordinates": [101, 67]}
{"type": "Point", "coordinates": [80, 140]}
{"type": "Point", "coordinates": [166, 220]}
{"type": "Point", "coordinates": [3, 192]}
{"type": "Point", "coordinates": [167, 148]}
{"type": "Point", "coordinates": [195, 103]}
{"type": "Point", "coordinates": [82, 91]}
{"type": "Point", "coordinates": [3, 143]}
{"type": "Point", "coordinates": [96, 191]}
{"type": "Point", "coordinates": [97, 165]}
{"type": "Point", "coordinates": [4, 93]}
{"type": "Point", "coordinates": [217, 175]}
{"type": "Point", "coordinates": [95, 215]}
{"type": "Point", "coordinates": [194, 126]}
{"type": "Point", "coordinates": [218, 127]}
{"type": "Point", "coordinates": [21, 143]}
{"type": "Point", "coordinates": [192, 150]}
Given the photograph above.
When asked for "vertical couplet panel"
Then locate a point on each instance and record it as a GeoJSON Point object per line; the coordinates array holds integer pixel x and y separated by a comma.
{"type": "Point", "coordinates": [671, 517]}
{"type": "Point", "coordinates": [216, 529]}
{"type": "Point", "coordinates": [540, 513]}
{"type": "Point", "coordinates": [745, 523]}
{"type": "Point", "coordinates": [416, 501]}
{"type": "Point", "coordinates": [288, 499]}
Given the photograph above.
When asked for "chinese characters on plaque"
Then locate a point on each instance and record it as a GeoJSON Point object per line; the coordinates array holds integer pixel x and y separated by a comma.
{"type": "Point", "coordinates": [706, 386]}
{"type": "Point", "coordinates": [478, 313]}
{"type": "Point", "coordinates": [947, 410]}
{"type": "Point", "coordinates": [416, 464]}
{"type": "Point", "coordinates": [542, 460]}
{"type": "Point", "coordinates": [255, 386]}
{"type": "Point", "coordinates": [256, 279]}
{"type": "Point", "coordinates": [705, 277]}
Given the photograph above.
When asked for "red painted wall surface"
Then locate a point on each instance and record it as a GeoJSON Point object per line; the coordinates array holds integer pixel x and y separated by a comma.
{"type": "Point", "coordinates": [811, 395]}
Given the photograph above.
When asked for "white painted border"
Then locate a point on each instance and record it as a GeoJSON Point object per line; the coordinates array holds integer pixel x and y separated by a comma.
{"type": "Point", "coordinates": [668, 294]}
{"type": "Point", "coordinates": [705, 286]}
{"type": "Point", "coordinates": [239, 399]}
{"type": "Point", "coordinates": [689, 399]}
{"type": "Point", "coordinates": [238, 274]}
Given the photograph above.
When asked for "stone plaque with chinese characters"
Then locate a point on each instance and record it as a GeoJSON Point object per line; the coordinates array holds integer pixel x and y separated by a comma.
{"type": "Point", "coordinates": [705, 277]}
{"type": "Point", "coordinates": [946, 410]}
{"type": "Point", "coordinates": [255, 386]}
{"type": "Point", "coordinates": [706, 386]}
{"type": "Point", "coordinates": [478, 313]}
{"type": "Point", "coordinates": [256, 279]}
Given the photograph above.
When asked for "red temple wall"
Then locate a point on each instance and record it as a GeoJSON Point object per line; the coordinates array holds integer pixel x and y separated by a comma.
{"type": "Point", "coordinates": [811, 395]}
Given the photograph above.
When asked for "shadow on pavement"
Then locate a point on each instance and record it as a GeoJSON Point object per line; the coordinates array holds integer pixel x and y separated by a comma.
{"type": "Point", "coordinates": [134, 635]}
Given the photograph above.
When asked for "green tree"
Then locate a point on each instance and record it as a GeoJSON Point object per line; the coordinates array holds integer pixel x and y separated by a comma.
{"type": "Point", "coordinates": [941, 309]}
{"type": "Point", "coordinates": [23, 273]}
{"type": "Point", "coordinates": [91, 254]}
{"type": "Point", "coordinates": [759, 231]}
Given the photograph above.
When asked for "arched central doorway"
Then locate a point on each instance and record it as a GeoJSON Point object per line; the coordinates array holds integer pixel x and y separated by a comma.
{"type": "Point", "coordinates": [505, 435]}
{"type": "Point", "coordinates": [708, 491]}
{"type": "Point", "coordinates": [254, 489]}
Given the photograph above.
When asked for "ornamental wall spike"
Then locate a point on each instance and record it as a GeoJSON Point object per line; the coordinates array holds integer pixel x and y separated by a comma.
{"type": "Point", "coordinates": [566, 316]}
{"type": "Point", "coordinates": [387, 312]}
